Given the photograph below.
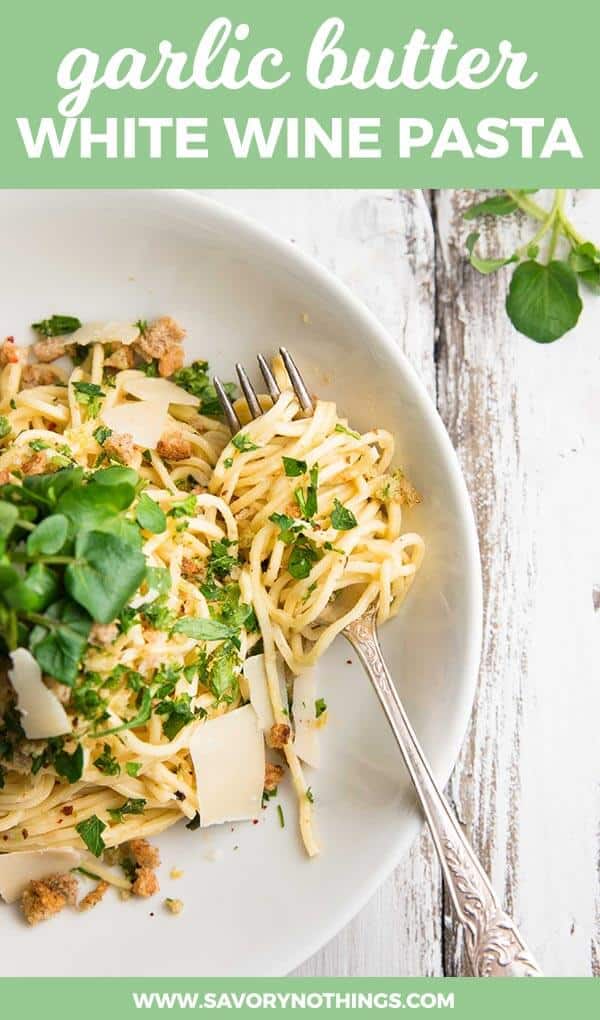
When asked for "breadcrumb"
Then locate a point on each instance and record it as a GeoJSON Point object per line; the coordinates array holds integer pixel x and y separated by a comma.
{"type": "Point", "coordinates": [273, 776]}
{"type": "Point", "coordinates": [175, 873]}
{"type": "Point", "coordinates": [103, 634]}
{"type": "Point", "coordinates": [173, 446]}
{"type": "Point", "coordinates": [175, 906]}
{"type": "Point", "coordinates": [279, 735]}
{"type": "Point", "coordinates": [42, 899]}
{"type": "Point", "coordinates": [40, 375]}
{"type": "Point", "coordinates": [146, 883]}
{"type": "Point", "coordinates": [95, 896]}
{"type": "Point", "coordinates": [191, 568]}
{"type": "Point", "coordinates": [35, 465]}
{"type": "Point", "coordinates": [121, 358]}
{"type": "Point", "coordinates": [159, 338]}
{"type": "Point", "coordinates": [120, 446]}
{"type": "Point", "coordinates": [49, 349]}
{"type": "Point", "coordinates": [143, 854]}
{"type": "Point", "coordinates": [172, 361]}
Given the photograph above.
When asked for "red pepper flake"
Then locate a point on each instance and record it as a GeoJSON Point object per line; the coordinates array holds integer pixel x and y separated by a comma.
{"type": "Point", "coordinates": [24, 833]}
{"type": "Point", "coordinates": [68, 809]}
{"type": "Point", "coordinates": [255, 821]}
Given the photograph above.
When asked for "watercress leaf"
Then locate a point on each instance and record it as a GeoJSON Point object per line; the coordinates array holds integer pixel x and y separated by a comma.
{"type": "Point", "coordinates": [91, 830]}
{"type": "Point", "coordinates": [204, 630]}
{"type": "Point", "coordinates": [342, 519]}
{"type": "Point", "coordinates": [585, 261]}
{"type": "Point", "coordinates": [8, 577]}
{"type": "Point", "coordinates": [49, 536]}
{"type": "Point", "coordinates": [482, 265]}
{"type": "Point", "coordinates": [294, 468]}
{"type": "Point", "coordinates": [60, 648]}
{"type": "Point", "coordinates": [35, 591]}
{"type": "Point", "coordinates": [48, 489]}
{"type": "Point", "coordinates": [159, 580]}
{"type": "Point", "coordinates": [149, 515]}
{"type": "Point", "coordinates": [116, 476]}
{"type": "Point", "coordinates": [69, 765]}
{"type": "Point", "coordinates": [8, 518]}
{"type": "Point", "coordinates": [93, 505]}
{"type": "Point", "coordinates": [543, 301]}
{"type": "Point", "coordinates": [127, 531]}
{"type": "Point", "coordinates": [57, 325]}
{"type": "Point", "coordinates": [496, 205]}
{"type": "Point", "coordinates": [111, 572]}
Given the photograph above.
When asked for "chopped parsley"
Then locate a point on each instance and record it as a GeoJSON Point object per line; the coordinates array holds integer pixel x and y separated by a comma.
{"type": "Point", "coordinates": [89, 395]}
{"type": "Point", "coordinates": [57, 325]}
{"type": "Point", "coordinates": [107, 763]}
{"type": "Point", "coordinates": [177, 713]}
{"type": "Point", "coordinates": [194, 823]}
{"type": "Point", "coordinates": [308, 501]}
{"type": "Point", "coordinates": [320, 707]}
{"type": "Point", "coordinates": [305, 553]}
{"type": "Point", "coordinates": [91, 831]}
{"type": "Point", "coordinates": [281, 818]}
{"type": "Point", "coordinates": [288, 527]}
{"type": "Point", "coordinates": [342, 519]}
{"type": "Point", "coordinates": [142, 325]}
{"type": "Point", "coordinates": [310, 795]}
{"type": "Point", "coordinates": [294, 468]}
{"type": "Point", "coordinates": [101, 434]}
{"type": "Point", "coordinates": [132, 768]}
{"type": "Point", "coordinates": [346, 431]}
{"type": "Point", "coordinates": [132, 806]}
{"type": "Point", "coordinates": [70, 766]}
{"type": "Point", "coordinates": [221, 562]}
{"type": "Point", "coordinates": [183, 508]}
{"type": "Point", "coordinates": [5, 428]}
{"type": "Point", "coordinates": [243, 443]}
{"type": "Point", "coordinates": [194, 378]}
{"type": "Point", "coordinates": [158, 614]}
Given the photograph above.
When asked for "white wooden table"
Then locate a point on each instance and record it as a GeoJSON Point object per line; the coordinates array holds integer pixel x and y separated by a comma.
{"type": "Point", "coordinates": [525, 419]}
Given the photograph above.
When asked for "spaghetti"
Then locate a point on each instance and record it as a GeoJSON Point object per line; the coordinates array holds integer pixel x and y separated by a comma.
{"type": "Point", "coordinates": [263, 533]}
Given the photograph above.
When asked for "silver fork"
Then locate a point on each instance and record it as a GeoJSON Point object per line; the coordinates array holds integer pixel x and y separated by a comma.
{"type": "Point", "coordinates": [493, 943]}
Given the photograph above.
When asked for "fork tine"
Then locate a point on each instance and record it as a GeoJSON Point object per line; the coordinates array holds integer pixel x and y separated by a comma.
{"type": "Point", "coordinates": [248, 391]}
{"type": "Point", "coordinates": [273, 388]}
{"type": "Point", "coordinates": [297, 381]}
{"type": "Point", "coordinates": [228, 409]}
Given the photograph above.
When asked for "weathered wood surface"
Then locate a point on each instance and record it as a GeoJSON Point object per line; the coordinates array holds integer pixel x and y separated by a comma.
{"type": "Point", "coordinates": [525, 420]}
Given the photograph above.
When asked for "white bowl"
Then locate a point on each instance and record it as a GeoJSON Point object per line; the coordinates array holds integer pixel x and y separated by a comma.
{"type": "Point", "coordinates": [254, 904]}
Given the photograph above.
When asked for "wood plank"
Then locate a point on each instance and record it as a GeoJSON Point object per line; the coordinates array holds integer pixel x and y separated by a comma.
{"type": "Point", "coordinates": [381, 245]}
{"type": "Point", "coordinates": [524, 420]}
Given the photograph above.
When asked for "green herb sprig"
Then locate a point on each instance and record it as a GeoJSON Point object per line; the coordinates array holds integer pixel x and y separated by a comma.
{"type": "Point", "coordinates": [543, 301]}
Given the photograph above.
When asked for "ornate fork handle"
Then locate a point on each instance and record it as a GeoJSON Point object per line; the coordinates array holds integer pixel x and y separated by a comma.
{"type": "Point", "coordinates": [493, 944]}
